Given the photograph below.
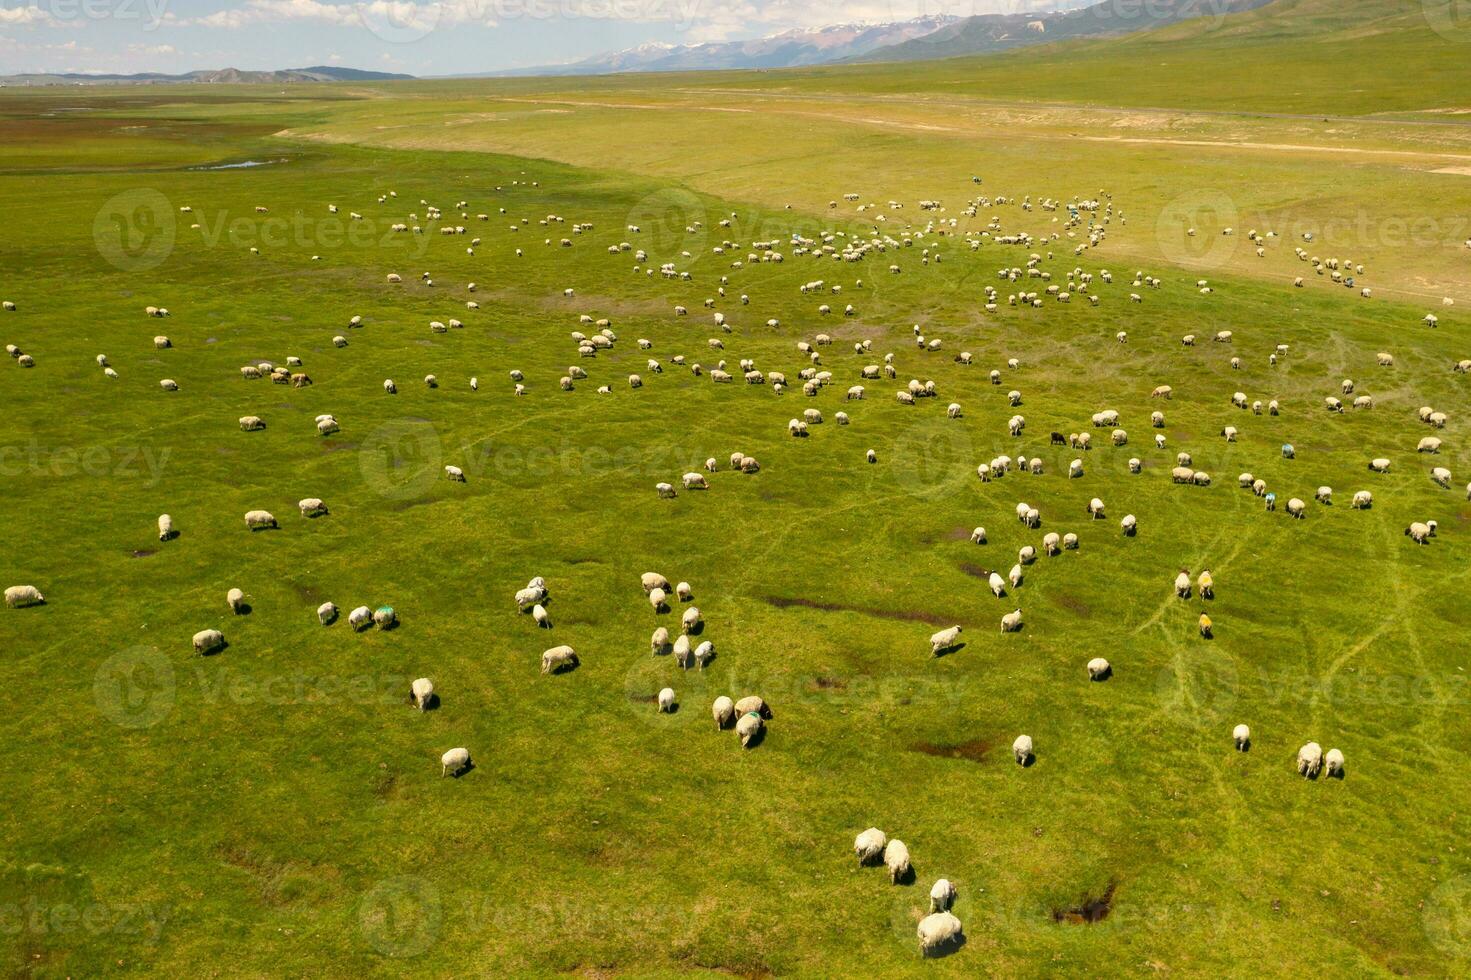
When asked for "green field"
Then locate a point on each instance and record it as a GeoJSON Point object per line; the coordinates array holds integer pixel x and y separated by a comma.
{"type": "Point", "coordinates": [278, 808]}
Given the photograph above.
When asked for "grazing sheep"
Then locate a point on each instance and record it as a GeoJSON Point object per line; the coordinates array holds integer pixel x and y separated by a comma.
{"type": "Point", "coordinates": [311, 506]}
{"type": "Point", "coordinates": [869, 846]}
{"type": "Point", "coordinates": [454, 474]}
{"type": "Point", "coordinates": [1182, 584]}
{"type": "Point", "coordinates": [978, 536]}
{"type": "Point", "coordinates": [454, 762]}
{"type": "Point", "coordinates": [1069, 542]}
{"type": "Point", "coordinates": [1136, 465]}
{"type": "Point", "coordinates": [1021, 749]}
{"type": "Point", "coordinates": [704, 653]}
{"type": "Point", "coordinates": [1379, 465]}
{"type": "Point", "coordinates": [691, 622]}
{"type": "Point", "coordinates": [1099, 669]}
{"type": "Point", "coordinates": [1241, 736]}
{"type": "Point", "coordinates": [896, 859]}
{"type": "Point", "coordinates": [256, 519]}
{"type": "Point", "coordinates": [666, 700]}
{"type": "Point", "coordinates": [1296, 508]}
{"type": "Point", "coordinates": [1051, 544]}
{"type": "Point", "coordinates": [1129, 525]}
{"type": "Point", "coordinates": [1206, 584]}
{"type": "Point", "coordinates": [1333, 762]}
{"type": "Point", "coordinates": [1441, 476]}
{"type": "Point", "coordinates": [236, 601]}
{"type": "Point", "coordinates": [1430, 444]}
{"type": "Point", "coordinates": [1182, 474]}
{"type": "Point", "coordinates": [539, 614]}
{"type": "Point", "coordinates": [749, 728]}
{"type": "Point", "coordinates": [694, 481]}
{"type": "Point", "coordinates": [659, 642]}
{"type": "Point", "coordinates": [530, 596]}
{"type": "Point", "coordinates": [1011, 622]}
{"type": "Point", "coordinates": [942, 896]}
{"type": "Point", "coordinates": [944, 640]}
{"type": "Point", "coordinates": [1205, 626]}
{"type": "Point", "coordinates": [665, 490]}
{"type": "Point", "coordinates": [558, 659]}
{"type": "Point", "coordinates": [937, 931]}
{"type": "Point", "coordinates": [657, 599]}
{"type": "Point", "coordinates": [1026, 555]}
{"type": "Point", "coordinates": [653, 580]}
{"type": "Point", "coordinates": [167, 384]}
{"type": "Point", "coordinates": [1095, 508]}
{"type": "Point", "coordinates": [997, 585]}
{"type": "Point", "coordinates": [360, 618]}
{"type": "Point", "coordinates": [1310, 760]}
{"type": "Point", "coordinates": [20, 596]}
{"type": "Point", "coordinates": [207, 641]}
{"type": "Point", "coordinates": [723, 711]}
{"type": "Point", "coordinates": [327, 613]}
{"type": "Point", "coordinates": [421, 693]}
{"type": "Point", "coordinates": [684, 592]}
{"type": "Point", "coordinates": [165, 527]}
{"type": "Point", "coordinates": [1418, 532]}
{"type": "Point", "coordinates": [385, 618]}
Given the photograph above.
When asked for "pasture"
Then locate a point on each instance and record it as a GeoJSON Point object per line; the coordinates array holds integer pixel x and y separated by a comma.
{"type": "Point", "coordinates": [278, 807]}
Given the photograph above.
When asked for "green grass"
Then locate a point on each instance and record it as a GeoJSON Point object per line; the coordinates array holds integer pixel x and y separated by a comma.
{"type": "Point", "coordinates": [278, 808]}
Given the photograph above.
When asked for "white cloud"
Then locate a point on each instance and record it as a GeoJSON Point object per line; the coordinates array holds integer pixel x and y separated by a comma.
{"type": "Point", "coordinates": [25, 16]}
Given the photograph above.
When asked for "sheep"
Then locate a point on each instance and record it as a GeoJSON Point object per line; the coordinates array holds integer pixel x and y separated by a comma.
{"type": "Point", "coordinates": [421, 693]}
{"type": "Point", "coordinates": [20, 596]}
{"type": "Point", "coordinates": [257, 519]}
{"type": "Point", "coordinates": [665, 490]}
{"type": "Point", "coordinates": [1206, 584]}
{"type": "Point", "coordinates": [937, 931]}
{"type": "Point", "coordinates": [1310, 760]}
{"type": "Point", "coordinates": [1162, 391]}
{"type": "Point", "coordinates": [942, 896]}
{"type": "Point", "coordinates": [945, 639]}
{"type": "Point", "coordinates": [869, 846]}
{"type": "Point", "coordinates": [1095, 508]}
{"type": "Point", "coordinates": [997, 585]}
{"type": "Point", "coordinates": [653, 580]}
{"type": "Point", "coordinates": [235, 599]}
{"type": "Point", "coordinates": [1182, 584]}
{"type": "Point", "coordinates": [691, 621]}
{"type": "Point", "coordinates": [1012, 621]}
{"type": "Point", "coordinates": [530, 596]}
{"type": "Point", "coordinates": [1021, 749]}
{"type": "Point", "coordinates": [1296, 508]}
{"type": "Point", "coordinates": [1051, 544]}
{"type": "Point", "coordinates": [1205, 626]}
{"type": "Point", "coordinates": [1099, 669]}
{"type": "Point", "coordinates": [1430, 444]}
{"type": "Point", "coordinates": [704, 653]}
{"type": "Point", "coordinates": [1259, 487]}
{"type": "Point", "coordinates": [1129, 525]}
{"type": "Point", "coordinates": [1379, 465]}
{"type": "Point", "coordinates": [896, 859]}
{"type": "Point", "coordinates": [657, 598]}
{"type": "Point", "coordinates": [1273, 408]}
{"type": "Point", "coordinates": [311, 506]}
{"type": "Point", "coordinates": [1441, 476]}
{"type": "Point", "coordinates": [694, 481]}
{"type": "Point", "coordinates": [1418, 532]}
{"type": "Point", "coordinates": [360, 618]}
{"type": "Point", "coordinates": [1333, 762]}
{"type": "Point", "coordinates": [558, 659]}
{"type": "Point", "coordinates": [953, 411]}
{"type": "Point", "coordinates": [1015, 576]}
{"type": "Point", "coordinates": [454, 762]}
{"type": "Point", "coordinates": [722, 710]}
{"type": "Point", "coordinates": [327, 613]}
{"type": "Point", "coordinates": [1385, 360]}
{"type": "Point", "coordinates": [327, 425]}
{"type": "Point", "coordinates": [666, 700]}
{"type": "Point", "coordinates": [749, 728]}
{"type": "Point", "coordinates": [205, 641]}
{"type": "Point", "coordinates": [454, 474]}
{"type": "Point", "coordinates": [841, 418]}
{"type": "Point", "coordinates": [539, 614]}
{"type": "Point", "coordinates": [750, 465]}
{"type": "Point", "coordinates": [167, 384]}
{"type": "Point", "coordinates": [1026, 555]}
{"type": "Point", "coordinates": [1230, 433]}
{"type": "Point", "coordinates": [385, 618]}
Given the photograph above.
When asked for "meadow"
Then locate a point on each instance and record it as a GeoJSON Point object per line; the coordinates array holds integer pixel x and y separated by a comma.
{"type": "Point", "coordinates": [278, 808]}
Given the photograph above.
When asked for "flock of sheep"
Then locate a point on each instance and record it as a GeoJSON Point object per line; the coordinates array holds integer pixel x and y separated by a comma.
{"type": "Point", "coordinates": [596, 337]}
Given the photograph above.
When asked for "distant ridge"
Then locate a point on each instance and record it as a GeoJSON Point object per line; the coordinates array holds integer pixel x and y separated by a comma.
{"type": "Point", "coordinates": [220, 76]}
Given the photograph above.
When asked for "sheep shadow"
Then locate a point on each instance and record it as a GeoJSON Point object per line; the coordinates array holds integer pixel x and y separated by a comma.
{"type": "Point", "coordinates": [215, 650]}
{"type": "Point", "coordinates": [1335, 774]}
{"type": "Point", "coordinates": [757, 738]}
{"type": "Point", "coordinates": [952, 648]}
{"type": "Point", "coordinates": [563, 668]}
{"type": "Point", "coordinates": [464, 770]}
{"type": "Point", "coordinates": [941, 950]}
{"type": "Point", "coordinates": [909, 877]}
{"type": "Point", "coordinates": [244, 609]}
{"type": "Point", "coordinates": [1029, 761]}
{"type": "Point", "coordinates": [1102, 675]}
{"type": "Point", "coordinates": [432, 704]}
{"type": "Point", "coordinates": [697, 629]}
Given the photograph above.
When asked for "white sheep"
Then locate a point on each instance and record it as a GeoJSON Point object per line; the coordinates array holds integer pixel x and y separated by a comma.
{"type": "Point", "coordinates": [1012, 621]}
{"type": "Point", "coordinates": [360, 618]}
{"type": "Point", "coordinates": [421, 693]}
{"type": "Point", "coordinates": [236, 601]}
{"type": "Point", "coordinates": [694, 481]}
{"type": "Point", "coordinates": [1441, 476]}
{"type": "Point", "coordinates": [666, 700]}
{"type": "Point", "coordinates": [208, 641]}
{"type": "Point", "coordinates": [723, 710]}
{"type": "Point", "coordinates": [327, 613]}
{"type": "Point", "coordinates": [1296, 508]}
{"type": "Point", "coordinates": [944, 640]}
{"type": "Point", "coordinates": [1021, 749]}
{"type": "Point", "coordinates": [256, 519]}
{"type": "Point", "coordinates": [665, 490]}
{"type": "Point", "coordinates": [454, 762]}
{"type": "Point", "coordinates": [869, 846]}
{"type": "Point", "coordinates": [978, 536]}
{"type": "Point", "coordinates": [749, 728]}
{"type": "Point", "coordinates": [311, 506]}
{"type": "Point", "coordinates": [558, 659]}
{"type": "Point", "coordinates": [1241, 737]}
{"type": "Point", "coordinates": [657, 599]}
{"type": "Point", "coordinates": [937, 931]}
{"type": "Point", "coordinates": [691, 622]}
{"type": "Point", "coordinates": [1099, 669]}
{"type": "Point", "coordinates": [942, 896]}
{"type": "Point", "coordinates": [1310, 760]}
{"type": "Point", "coordinates": [20, 596]}
{"type": "Point", "coordinates": [684, 592]}
{"type": "Point", "coordinates": [1333, 762]}
{"type": "Point", "coordinates": [653, 580]}
{"type": "Point", "coordinates": [896, 859]}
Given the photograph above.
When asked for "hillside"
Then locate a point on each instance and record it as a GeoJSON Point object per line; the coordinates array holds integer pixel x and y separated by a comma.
{"type": "Point", "coordinates": [990, 33]}
{"type": "Point", "coordinates": [221, 76]}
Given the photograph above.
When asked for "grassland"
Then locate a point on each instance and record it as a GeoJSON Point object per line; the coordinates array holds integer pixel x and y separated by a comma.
{"type": "Point", "coordinates": [278, 808]}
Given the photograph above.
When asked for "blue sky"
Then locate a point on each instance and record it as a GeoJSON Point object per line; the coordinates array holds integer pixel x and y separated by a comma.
{"type": "Point", "coordinates": [419, 37]}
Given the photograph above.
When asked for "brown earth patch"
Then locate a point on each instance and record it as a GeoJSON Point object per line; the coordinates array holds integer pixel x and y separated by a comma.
{"type": "Point", "coordinates": [973, 750]}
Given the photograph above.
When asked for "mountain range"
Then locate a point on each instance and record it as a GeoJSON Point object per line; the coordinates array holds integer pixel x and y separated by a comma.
{"type": "Point", "coordinates": [221, 76]}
